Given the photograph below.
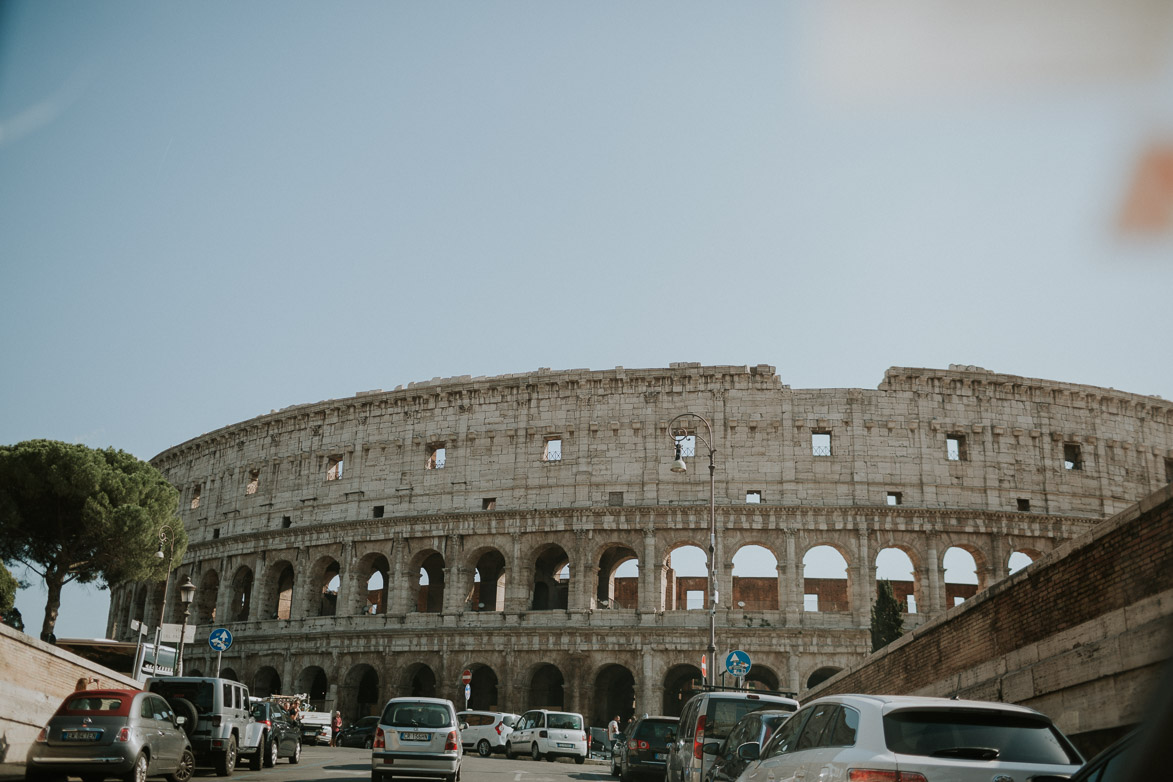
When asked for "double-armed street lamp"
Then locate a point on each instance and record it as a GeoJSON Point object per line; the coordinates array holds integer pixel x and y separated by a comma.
{"type": "Point", "coordinates": [166, 538]}
{"type": "Point", "coordinates": [678, 433]}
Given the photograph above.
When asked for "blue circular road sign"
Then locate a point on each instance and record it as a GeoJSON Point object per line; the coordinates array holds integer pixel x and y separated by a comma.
{"type": "Point", "coordinates": [220, 639]}
{"type": "Point", "coordinates": [737, 663]}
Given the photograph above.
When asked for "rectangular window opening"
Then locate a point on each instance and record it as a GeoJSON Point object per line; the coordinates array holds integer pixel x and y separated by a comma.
{"type": "Point", "coordinates": [489, 503]}
{"type": "Point", "coordinates": [1072, 457]}
{"type": "Point", "coordinates": [254, 480]}
{"type": "Point", "coordinates": [955, 450]}
{"type": "Point", "coordinates": [334, 468]}
{"type": "Point", "coordinates": [687, 445]}
{"type": "Point", "coordinates": [615, 499]}
{"type": "Point", "coordinates": [810, 603]}
{"type": "Point", "coordinates": [195, 496]}
{"type": "Point", "coordinates": [694, 600]}
{"type": "Point", "coordinates": [437, 456]}
{"type": "Point", "coordinates": [895, 498]}
{"type": "Point", "coordinates": [1024, 504]}
{"type": "Point", "coordinates": [377, 511]}
{"type": "Point", "coordinates": [753, 497]}
{"type": "Point", "coordinates": [553, 450]}
{"type": "Point", "coordinates": [215, 533]}
{"type": "Point", "coordinates": [911, 603]}
{"type": "Point", "coordinates": [286, 522]}
{"type": "Point", "coordinates": [1168, 470]}
{"type": "Point", "coordinates": [820, 443]}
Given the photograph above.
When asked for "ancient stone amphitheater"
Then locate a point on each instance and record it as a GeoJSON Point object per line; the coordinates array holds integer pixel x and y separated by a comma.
{"type": "Point", "coordinates": [522, 527]}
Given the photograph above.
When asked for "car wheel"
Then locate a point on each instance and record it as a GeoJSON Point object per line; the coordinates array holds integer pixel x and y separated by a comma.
{"type": "Point", "coordinates": [273, 754]}
{"type": "Point", "coordinates": [369, 743]}
{"type": "Point", "coordinates": [614, 768]}
{"type": "Point", "coordinates": [509, 751]}
{"type": "Point", "coordinates": [625, 774]}
{"type": "Point", "coordinates": [296, 756]}
{"type": "Point", "coordinates": [483, 748]}
{"type": "Point", "coordinates": [257, 759]}
{"type": "Point", "coordinates": [138, 772]}
{"type": "Point", "coordinates": [580, 759]}
{"type": "Point", "coordinates": [534, 752]}
{"type": "Point", "coordinates": [226, 760]}
{"type": "Point", "coordinates": [186, 768]}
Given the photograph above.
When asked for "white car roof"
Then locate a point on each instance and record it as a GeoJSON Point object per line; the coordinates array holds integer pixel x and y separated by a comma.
{"type": "Point", "coordinates": [889, 703]}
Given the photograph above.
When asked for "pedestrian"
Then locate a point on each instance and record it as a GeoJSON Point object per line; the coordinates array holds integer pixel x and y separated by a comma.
{"type": "Point", "coordinates": [336, 724]}
{"type": "Point", "coordinates": [612, 733]}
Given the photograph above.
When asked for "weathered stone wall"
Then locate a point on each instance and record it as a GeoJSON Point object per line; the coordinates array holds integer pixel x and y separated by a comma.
{"type": "Point", "coordinates": [551, 470]}
{"type": "Point", "coordinates": [1080, 635]}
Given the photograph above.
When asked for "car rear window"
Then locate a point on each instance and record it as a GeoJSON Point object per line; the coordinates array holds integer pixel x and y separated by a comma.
{"type": "Point", "coordinates": [199, 693]}
{"type": "Point", "coordinates": [95, 703]}
{"type": "Point", "coordinates": [656, 730]}
{"type": "Point", "coordinates": [564, 721]}
{"type": "Point", "coordinates": [416, 715]}
{"type": "Point", "coordinates": [976, 735]}
{"type": "Point", "coordinates": [725, 712]}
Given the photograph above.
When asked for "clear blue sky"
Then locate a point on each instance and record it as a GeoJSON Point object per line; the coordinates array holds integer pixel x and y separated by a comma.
{"type": "Point", "coordinates": [211, 210]}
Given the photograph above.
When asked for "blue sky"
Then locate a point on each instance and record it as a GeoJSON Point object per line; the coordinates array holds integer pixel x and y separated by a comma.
{"type": "Point", "coordinates": [211, 210]}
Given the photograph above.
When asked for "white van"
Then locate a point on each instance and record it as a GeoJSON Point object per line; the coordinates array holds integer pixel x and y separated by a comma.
{"type": "Point", "coordinates": [486, 731]}
{"type": "Point", "coordinates": [548, 734]}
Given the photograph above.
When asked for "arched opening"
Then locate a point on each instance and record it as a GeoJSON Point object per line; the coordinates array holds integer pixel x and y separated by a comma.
{"type": "Point", "coordinates": [1020, 559]}
{"type": "Point", "coordinates": [488, 583]}
{"type": "Point", "coordinates": [266, 682]}
{"type": "Point", "coordinates": [821, 675]}
{"type": "Point", "coordinates": [545, 689]}
{"type": "Point", "coordinates": [230, 674]}
{"type": "Point", "coordinates": [762, 678]}
{"type": "Point", "coordinates": [895, 566]}
{"type": "Point", "coordinates": [755, 579]}
{"type": "Point", "coordinates": [614, 694]}
{"type": "Point", "coordinates": [419, 681]}
{"type": "Point", "coordinates": [242, 595]}
{"type": "Point", "coordinates": [430, 587]}
{"type": "Point", "coordinates": [283, 591]}
{"type": "Point", "coordinates": [618, 580]}
{"type": "Point", "coordinates": [680, 683]}
{"type": "Point", "coordinates": [323, 584]}
{"type": "Point", "coordinates": [686, 579]}
{"type": "Point", "coordinates": [312, 681]}
{"type": "Point", "coordinates": [483, 689]}
{"type": "Point", "coordinates": [825, 584]}
{"type": "Point", "coordinates": [551, 590]}
{"type": "Point", "coordinates": [961, 576]}
{"type": "Point", "coordinates": [205, 604]}
{"type": "Point", "coordinates": [359, 694]}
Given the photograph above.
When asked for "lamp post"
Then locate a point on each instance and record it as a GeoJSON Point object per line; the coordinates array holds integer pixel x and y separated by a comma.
{"type": "Point", "coordinates": [166, 537]}
{"type": "Point", "coordinates": [678, 433]}
{"type": "Point", "coordinates": [187, 592]}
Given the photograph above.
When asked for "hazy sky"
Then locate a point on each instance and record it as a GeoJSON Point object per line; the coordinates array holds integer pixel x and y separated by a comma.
{"type": "Point", "coordinates": [211, 210]}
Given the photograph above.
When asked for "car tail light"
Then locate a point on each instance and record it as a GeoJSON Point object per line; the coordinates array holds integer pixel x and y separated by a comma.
{"type": "Point", "coordinates": [698, 741]}
{"type": "Point", "coordinates": [123, 735]}
{"type": "Point", "coordinates": [638, 744]}
{"type": "Point", "coordinates": [266, 723]}
{"type": "Point", "coordinates": [379, 741]}
{"type": "Point", "coordinates": [453, 742]}
{"type": "Point", "coordinates": [880, 775]}
{"type": "Point", "coordinates": [216, 720]}
{"type": "Point", "coordinates": [498, 728]}
{"type": "Point", "coordinates": [43, 736]}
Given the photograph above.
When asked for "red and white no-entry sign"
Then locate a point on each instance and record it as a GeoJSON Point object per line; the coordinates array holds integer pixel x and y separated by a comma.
{"type": "Point", "coordinates": [466, 677]}
{"type": "Point", "coordinates": [704, 667]}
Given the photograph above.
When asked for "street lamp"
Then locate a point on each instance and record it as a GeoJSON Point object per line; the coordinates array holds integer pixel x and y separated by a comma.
{"type": "Point", "coordinates": [678, 433]}
{"type": "Point", "coordinates": [187, 592]}
{"type": "Point", "coordinates": [167, 538]}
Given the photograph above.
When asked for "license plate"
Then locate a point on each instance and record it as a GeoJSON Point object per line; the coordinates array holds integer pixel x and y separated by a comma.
{"type": "Point", "coordinates": [80, 735]}
{"type": "Point", "coordinates": [405, 736]}
{"type": "Point", "coordinates": [659, 756]}
{"type": "Point", "coordinates": [565, 745]}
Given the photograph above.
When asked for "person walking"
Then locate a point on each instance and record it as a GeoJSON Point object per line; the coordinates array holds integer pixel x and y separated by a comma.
{"type": "Point", "coordinates": [336, 724]}
{"type": "Point", "coordinates": [612, 733]}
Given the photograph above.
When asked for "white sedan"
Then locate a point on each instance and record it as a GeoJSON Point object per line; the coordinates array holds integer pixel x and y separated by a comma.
{"type": "Point", "coordinates": [881, 738]}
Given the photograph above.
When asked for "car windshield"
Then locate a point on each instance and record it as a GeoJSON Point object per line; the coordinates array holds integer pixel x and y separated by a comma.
{"type": "Point", "coordinates": [655, 731]}
{"type": "Point", "coordinates": [724, 714]}
{"type": "Point", "coordinates": [199, 693]}
{"type": "Point", "coordinates": [416, 715]}
{"type": "Point", "coordinates": [564, 721]}
{"type": "Point", "coordinates": [976, 735]}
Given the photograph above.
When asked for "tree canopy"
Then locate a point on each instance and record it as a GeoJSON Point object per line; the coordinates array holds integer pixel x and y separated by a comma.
{"type": "Point", "coordinates": [72, 513]}
{"type": "Point", "coordinates": [887, 621]}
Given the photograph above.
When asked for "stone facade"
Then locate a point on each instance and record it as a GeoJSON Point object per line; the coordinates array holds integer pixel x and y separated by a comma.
{"type": "Point", "coordinates": [518, 498]}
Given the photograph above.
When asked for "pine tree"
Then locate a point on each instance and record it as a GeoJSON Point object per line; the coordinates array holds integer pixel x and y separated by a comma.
{"type": "Point", "coordinates": [887, 621]}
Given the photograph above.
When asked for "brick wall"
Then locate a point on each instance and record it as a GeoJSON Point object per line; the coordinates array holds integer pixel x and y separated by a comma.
{"type": "Point", "coordinates": [34, 678]}
{"type": "Point", "coordinates": [1080, 635]}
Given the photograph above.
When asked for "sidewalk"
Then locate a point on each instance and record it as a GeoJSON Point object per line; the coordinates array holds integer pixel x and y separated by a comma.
{"type": "Point", "coordinates": [11, 771]}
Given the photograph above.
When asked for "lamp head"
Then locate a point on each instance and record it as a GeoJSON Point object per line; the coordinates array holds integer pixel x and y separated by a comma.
{"type": "Point", "coordinates": [159, 554]}
{"type": "Point", "coordinates": [678, 465]}
{"type": "Point", "coordinates": [187, 591]}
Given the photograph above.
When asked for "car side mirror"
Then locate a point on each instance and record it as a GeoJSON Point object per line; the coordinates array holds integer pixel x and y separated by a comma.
{"type": "Point", "coordinates": [712, 748]}
{"type": "Point", "coordinates": [464, 726]}
{"type": "Point", "coordinates": [749, 750]}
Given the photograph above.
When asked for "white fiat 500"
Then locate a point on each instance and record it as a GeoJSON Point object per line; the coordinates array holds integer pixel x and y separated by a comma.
{"type": "Point", "coordinates": [888, 738]}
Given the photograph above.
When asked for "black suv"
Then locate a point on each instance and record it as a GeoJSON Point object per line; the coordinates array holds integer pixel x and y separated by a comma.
{"type": "Point", "coordinates": [359, 734]}
{"type": "Point", "coordinates": [754, 728]}
{"type": "Point", "coordinates": [274, 735]}
{"type": "Point", "coordinates": [642, 749]}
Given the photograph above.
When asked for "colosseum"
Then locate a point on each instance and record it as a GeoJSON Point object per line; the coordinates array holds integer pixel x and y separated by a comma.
{"type": "Point", "coordinates": [528, 528]}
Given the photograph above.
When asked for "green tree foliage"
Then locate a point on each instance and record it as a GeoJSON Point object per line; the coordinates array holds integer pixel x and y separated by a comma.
{"type": "Point", "coordinates": [887, 621]}
{"type": "Point", "coordinates": [8, 587]}
{"type": "Point", "coordinates": [72, 513]}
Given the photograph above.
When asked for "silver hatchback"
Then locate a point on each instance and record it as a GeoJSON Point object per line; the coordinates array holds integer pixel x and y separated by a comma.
{"type": "Point", "coordinates": [417, 737]}
{"type": "Point", "coordinates": [94, 734]}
